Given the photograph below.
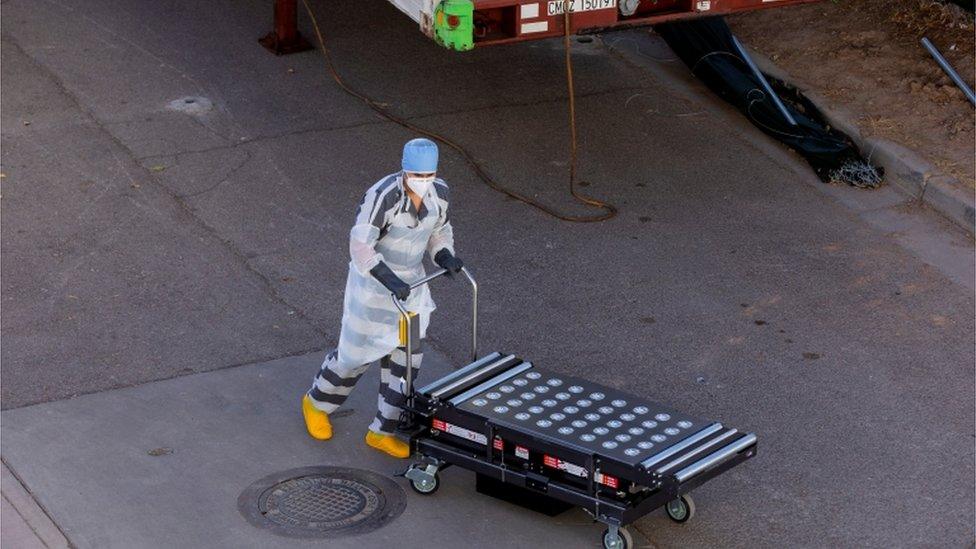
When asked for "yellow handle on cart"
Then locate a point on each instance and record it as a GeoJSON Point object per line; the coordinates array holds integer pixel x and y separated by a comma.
{"type": "Point", "coordinates": [411, 325]}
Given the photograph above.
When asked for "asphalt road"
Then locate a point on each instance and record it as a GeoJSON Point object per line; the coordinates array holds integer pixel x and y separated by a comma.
{"type": "Point", "coordinates": [141, 243]}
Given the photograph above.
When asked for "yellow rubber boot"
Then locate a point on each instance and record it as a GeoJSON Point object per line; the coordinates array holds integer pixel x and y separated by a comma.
{"type": "Point", "coordinates": [316, 421]}
{"type": "Point", "coordinates": [388, 444]}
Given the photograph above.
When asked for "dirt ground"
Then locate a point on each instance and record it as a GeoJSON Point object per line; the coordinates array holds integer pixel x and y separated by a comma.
{"type": "Point", "coordinates": [865, 57]}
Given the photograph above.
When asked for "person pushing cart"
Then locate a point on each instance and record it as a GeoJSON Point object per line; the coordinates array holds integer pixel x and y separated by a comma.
{"type": "Point", "coordinates": [400, 218]}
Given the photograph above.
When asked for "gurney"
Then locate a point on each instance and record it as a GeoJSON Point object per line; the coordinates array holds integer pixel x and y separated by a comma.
{"type": "Point", "coordinates": [561, 438]}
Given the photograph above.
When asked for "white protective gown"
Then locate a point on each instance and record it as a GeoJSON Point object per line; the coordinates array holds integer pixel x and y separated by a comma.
{"type": "Point", "coordinates": [389, 229]}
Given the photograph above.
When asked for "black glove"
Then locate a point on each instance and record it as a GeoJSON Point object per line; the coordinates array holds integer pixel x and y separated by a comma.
{"type": "Point", "coordinates": [388, 278]}
{"type": "Point", "coordinates": [445, 260]}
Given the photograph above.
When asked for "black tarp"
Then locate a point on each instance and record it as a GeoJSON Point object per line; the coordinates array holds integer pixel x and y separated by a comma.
{"type": "Point", "coordinates": [967, 4]}
{"type": "Point", "coordinates": [706, 46]}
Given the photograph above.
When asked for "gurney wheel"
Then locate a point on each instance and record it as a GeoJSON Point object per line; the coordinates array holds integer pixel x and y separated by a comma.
{"type": "Point", "coordinates": [680, 510]}
{"type": "Point", "coordinates": [623, 539]}
{"type": "Point", "coordinates": [426, 487]}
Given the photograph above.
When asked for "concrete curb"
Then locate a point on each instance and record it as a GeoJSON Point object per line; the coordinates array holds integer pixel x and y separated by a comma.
{"type": "Point", "coordinates": [26, 525]}
{"type": "Point", "coordinates": [905, 169]}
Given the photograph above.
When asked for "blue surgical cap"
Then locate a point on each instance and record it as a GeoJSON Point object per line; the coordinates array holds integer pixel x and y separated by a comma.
{"type": "Point", "coordinates": [420, 156]}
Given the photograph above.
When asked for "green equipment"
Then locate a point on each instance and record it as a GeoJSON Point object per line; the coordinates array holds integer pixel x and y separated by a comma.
{"type": "Point", "coordinates": [454, 24]}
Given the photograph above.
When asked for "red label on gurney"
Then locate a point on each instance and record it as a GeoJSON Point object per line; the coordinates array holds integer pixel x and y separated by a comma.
{"type": "Point", "coordinates": [576, 470]}
{"type": "Point", "coordinates": [450, 428]}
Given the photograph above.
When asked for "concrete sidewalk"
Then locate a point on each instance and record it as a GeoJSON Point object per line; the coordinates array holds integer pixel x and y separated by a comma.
{"type": "Point", "coordinates": [89, 461]}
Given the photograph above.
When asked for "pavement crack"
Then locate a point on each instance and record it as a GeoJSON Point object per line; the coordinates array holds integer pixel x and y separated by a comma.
{"type": "Point", "coordinates": [108, 31]}
{"type": "Point", "coordinates": [531, 103]}
{"type": "Point", "coordinates": [248, 156]}
{"type": "Point", "coordinates": [211, 130]}
{"type": "Point", "coordinates": [256, 360]}
{"type": "Point", "coordinates": [185, 208]}
{"type": "Point", "coordinates": [326, 129]}
{"type": "Point", "coordinates": [261, 138]}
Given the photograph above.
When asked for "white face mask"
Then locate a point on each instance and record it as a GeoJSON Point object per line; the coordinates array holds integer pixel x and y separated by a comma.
{"type": "Point", "coordinates": [420, 185]}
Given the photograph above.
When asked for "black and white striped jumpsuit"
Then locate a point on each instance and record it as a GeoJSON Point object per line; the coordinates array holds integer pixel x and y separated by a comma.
{"type": "Point", "coordinates": [390, 229]}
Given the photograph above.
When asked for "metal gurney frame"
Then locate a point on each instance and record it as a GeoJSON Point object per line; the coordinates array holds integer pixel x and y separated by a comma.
{"type": "Point", "coordinates": [544, 441]}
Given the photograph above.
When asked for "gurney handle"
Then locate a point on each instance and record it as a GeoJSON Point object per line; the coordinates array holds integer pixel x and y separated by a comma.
{"type": "Point", "coordinates": [716, 457]}
{"type": "Point", "coordinates": [408, 389]}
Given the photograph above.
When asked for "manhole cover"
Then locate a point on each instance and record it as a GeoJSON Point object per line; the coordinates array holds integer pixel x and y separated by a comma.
{"type": "Point", "coordinates": [322, 502]}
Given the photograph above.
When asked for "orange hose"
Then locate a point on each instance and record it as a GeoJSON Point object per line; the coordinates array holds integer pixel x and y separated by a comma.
{"type": "Point", "coordinates": [479, 170]}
